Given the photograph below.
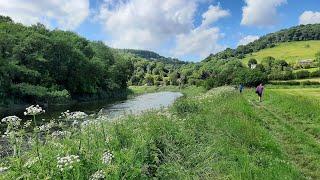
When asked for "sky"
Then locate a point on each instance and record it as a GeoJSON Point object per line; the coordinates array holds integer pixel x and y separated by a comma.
{"type": "Point", "coordinates": [187, 29]}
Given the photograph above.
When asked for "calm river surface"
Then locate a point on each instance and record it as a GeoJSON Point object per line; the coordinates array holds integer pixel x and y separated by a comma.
{"type": "Point", "coordinates": [135, 105]}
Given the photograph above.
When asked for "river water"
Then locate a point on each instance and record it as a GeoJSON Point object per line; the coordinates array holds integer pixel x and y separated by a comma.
{"type": "Point", "coordinates": [135, 105]}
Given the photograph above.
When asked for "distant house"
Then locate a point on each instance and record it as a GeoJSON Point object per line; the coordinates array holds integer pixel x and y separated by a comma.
{"type": "Point", "coordinates": [253, 66]}
{"type": "Point", "coordinates": [305, 62]}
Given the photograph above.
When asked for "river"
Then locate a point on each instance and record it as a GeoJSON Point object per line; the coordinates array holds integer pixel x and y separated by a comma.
{"type": "Point", "coordinates": [134, 105]}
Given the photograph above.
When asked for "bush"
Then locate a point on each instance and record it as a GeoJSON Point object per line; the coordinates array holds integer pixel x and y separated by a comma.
{"type": "Point", "coordinates": [301, 74]}
{"type": "Point", "coordinates": [315, 73]}
{"type": "Point", "coordinates": [30, 92]}
{"type": "Point", "coordinates": [280, 75]}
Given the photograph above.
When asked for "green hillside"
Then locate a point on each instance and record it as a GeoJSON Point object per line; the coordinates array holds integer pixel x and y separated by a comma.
{"type": "Point", "coordinates": [289, 51]}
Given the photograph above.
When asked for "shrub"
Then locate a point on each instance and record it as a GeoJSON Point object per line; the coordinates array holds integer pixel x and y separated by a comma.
{"type": "Point", "coordinates": [315, 73]}
{"type": "Point", "coordinates": [301, 74]}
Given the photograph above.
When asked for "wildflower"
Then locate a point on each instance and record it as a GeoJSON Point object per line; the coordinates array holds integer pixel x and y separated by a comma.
{"type": "Point", "coordinates": [31, 162]}
{"type": "Point", "coordinates": [14, 120]}
{"type": "Point", "coordinates": [97, 175]}
{"type": "Point", "coordinates": [75, 123]}
{"type": "Point", "coordinates": [27, 124]}
{"type": "Point", "coordinates": [107, 157]}
{"type": "Point", "coordinates": [67, 162]}
{"type": "Point", "coordinates": [3, 169]}
{"type": "Point", "coordinates": [34, 110]}
{"type": "Point", "coordinates": [47, 127]}
{"type": "Point", "coordinates": [73, 115]}
{"type": "Point", "coordinates": [60, 134]}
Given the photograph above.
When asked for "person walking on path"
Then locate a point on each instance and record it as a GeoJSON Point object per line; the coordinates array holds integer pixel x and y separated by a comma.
{"type": "Point", "coordinates": [241, 87]}
{"type": "Point", "coordinates": [259, 91]}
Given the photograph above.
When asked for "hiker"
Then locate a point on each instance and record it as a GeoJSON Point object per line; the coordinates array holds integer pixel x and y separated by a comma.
{"type": "Point", "coordinates": [241, 87]}
{"type": "Point", "coordinates": [259, 91]}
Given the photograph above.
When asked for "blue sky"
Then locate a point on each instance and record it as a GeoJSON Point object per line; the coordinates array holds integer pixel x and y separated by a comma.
{"type": "Point", "coordinates": [187, 29]}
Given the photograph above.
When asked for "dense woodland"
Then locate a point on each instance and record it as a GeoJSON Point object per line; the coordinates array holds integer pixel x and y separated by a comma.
{"type": "Point", "coordinates": [42, 65]}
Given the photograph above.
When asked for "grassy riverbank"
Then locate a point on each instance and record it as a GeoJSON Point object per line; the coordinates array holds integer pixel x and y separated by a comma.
{"type": "Point", "coordinates": [218, 134]}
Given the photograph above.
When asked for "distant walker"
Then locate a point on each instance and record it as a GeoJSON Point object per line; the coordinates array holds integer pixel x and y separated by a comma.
{"type": "Point", "coordinates": [259, 91]}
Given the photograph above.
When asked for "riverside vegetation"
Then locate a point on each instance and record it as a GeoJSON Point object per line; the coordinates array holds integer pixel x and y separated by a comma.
{"type": "Point", "coordinates": [204, 135]}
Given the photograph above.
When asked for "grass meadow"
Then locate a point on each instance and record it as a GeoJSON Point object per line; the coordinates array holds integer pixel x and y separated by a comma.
{"type": "Point", "coordinates": [289, 51]}
{"type": "Point", "coordinates": [218, 134]}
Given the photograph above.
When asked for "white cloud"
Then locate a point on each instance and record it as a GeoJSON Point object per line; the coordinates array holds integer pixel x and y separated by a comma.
{"type": "Point", "coordinates": [66, 14]}
{"type": "Point", "coordinates": [309, 17]}
{"type": "Point", "coordinates": [247, 39]}
{"type": "Point", "coordinates": [213, 14]}
{"type": "Point", "coordinates": [200, 41]}
{"type": "Point", "coordinates": [204, 39]}
{"type": "Point", "coordinates": [261, 12]}
{"type": "Point", "coordinates": [145, 23]}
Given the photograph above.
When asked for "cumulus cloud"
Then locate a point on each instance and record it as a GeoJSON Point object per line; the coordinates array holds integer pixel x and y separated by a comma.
{"type": "Point", "coordinates": [200, 41]}
{"type": "Point", "coordinates": [247, 39]}
{"type": "Point", "coordinates": [261, 12]}
{"type": "Point", "coordinates": [204, 39]}
{"type": "Point", "coordinates": [145, 23]}
{"type": "Point", "coordinates": [309, 17]}
{"type": "Point", "coordinates": [66, 14]}
{"type": "Point", "coordinates": [213, 14]}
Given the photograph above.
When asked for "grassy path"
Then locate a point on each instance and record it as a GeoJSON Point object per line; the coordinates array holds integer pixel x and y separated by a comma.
{"type": "Point", "coordinates": [298, 134]}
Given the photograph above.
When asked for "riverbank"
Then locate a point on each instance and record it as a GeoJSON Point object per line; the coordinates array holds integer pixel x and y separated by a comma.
{"type": "Point", "coordinates": [219, 134]}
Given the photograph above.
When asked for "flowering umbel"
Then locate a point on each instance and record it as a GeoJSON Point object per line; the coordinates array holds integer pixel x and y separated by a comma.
{"type": "Point", "coordinates": [67, 162]}
{"type": "Point", "coordinates": [34, 110]}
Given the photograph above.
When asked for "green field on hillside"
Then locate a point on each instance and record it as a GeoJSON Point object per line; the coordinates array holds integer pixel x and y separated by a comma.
{"type": "Point", "coordinates": [289, 51]}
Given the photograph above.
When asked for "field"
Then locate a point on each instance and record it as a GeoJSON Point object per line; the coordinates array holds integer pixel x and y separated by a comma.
{"type": "Point", "coordinates": [289, 51]}
{"type": "Point", "coordinates": [219, 134]}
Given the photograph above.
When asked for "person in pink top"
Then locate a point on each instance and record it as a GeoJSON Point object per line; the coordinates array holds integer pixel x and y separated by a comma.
{"type": "Point", "coordinates": [259, 91]}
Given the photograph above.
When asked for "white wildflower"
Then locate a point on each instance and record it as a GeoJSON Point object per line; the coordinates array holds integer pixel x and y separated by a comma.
{"type": "Point", "coordinates": [27, 124]}
{"type": "Point", "coordinates": [67, 162]}
{"type": "Point", "coordinates": [73, 115]}
{"type": "Point", "coordinates": [34, 110]}
{"type": "Point", "coordinates": [107, 157]}
{"type": "Point", "coordinates": [48, 126]}
{"type": "Point", "coordinates": [60, 134]}
{"type": "Point", "coordinates": [75, 123]}
{"type": "Point", "coordinates": [3, 169]}
{"type": "Point", "coordinates": [14, 120]}
{"type": "Point", "coordinates": [31, 162]}
{"type": "Point", "coordinates": [99, 175]}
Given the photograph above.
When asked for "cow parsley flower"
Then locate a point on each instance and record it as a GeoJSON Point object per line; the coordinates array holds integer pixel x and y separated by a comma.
{"type": "Point", "coordinates": [67, 162]}
{"type": "Point", "coordinates": [73, 115]}
{"type": "Point", "coordinates": [48, 126]}
{"type": "Point", "coordinates": [31, 162]}
{"type": "Point", "coordinates": [34, 110]}
{"type": "Point", "coordinates": [60, 134]}
{"type": "Point", "coordinates": [13, 120]}
{"type": "Point", "coordinates": [107, 157]}
{"type": "Point", "coordinates": [3, 169]}
{"type": "Point", "coordinates": [99, 175]}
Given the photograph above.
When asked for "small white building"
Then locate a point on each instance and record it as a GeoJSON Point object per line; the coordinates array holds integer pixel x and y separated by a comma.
{"type": "Point", "coordinates": [253, 66]}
